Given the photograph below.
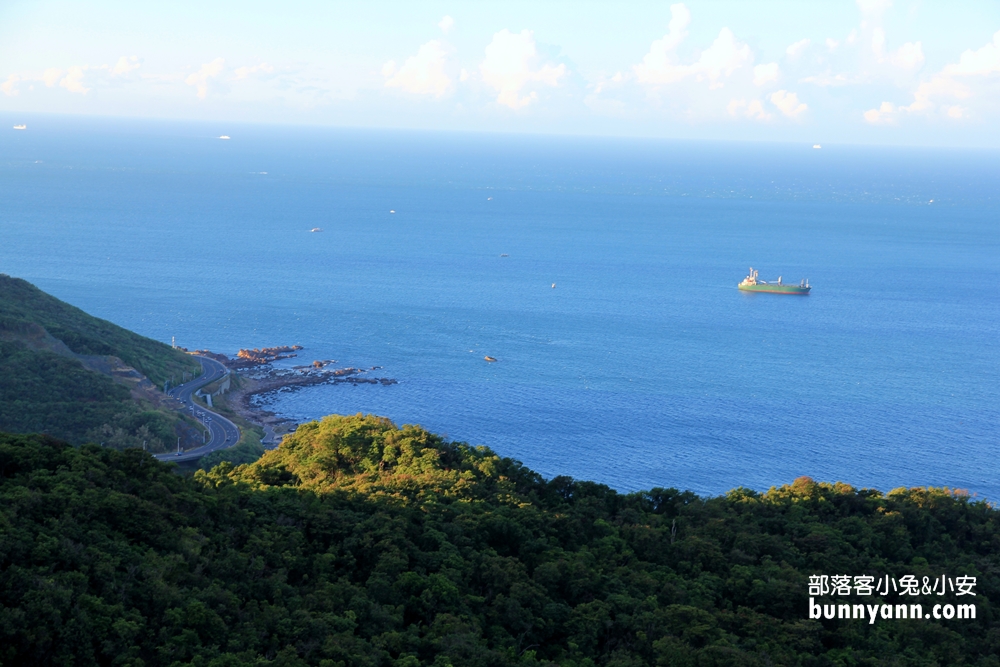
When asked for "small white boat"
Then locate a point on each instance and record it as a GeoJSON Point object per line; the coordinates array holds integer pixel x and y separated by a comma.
{"type": "Point", "coordinates": [225, 136]}
{"type": "Point", "coordinates": [20, 127]}
{"type": "Point", "coordinates": [316, 229]}
{"type": "Point", "coordinates": [817, 146]}
{"type": "Point", "coordinates": [392, 211]}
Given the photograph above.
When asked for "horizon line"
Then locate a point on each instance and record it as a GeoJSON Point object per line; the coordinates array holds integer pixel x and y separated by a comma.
{"type": "Point", "coordinates": [19, 118]}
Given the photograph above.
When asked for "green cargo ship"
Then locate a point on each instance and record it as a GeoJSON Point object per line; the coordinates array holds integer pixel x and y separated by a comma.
{"type": "Point", "coordinates": [752, 284]}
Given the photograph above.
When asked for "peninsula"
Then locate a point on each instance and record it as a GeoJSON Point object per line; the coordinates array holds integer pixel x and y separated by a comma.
{"type": "Point", "coordinates": [254, 377]}
{"type": "Point", "coordinates": [83, 379]}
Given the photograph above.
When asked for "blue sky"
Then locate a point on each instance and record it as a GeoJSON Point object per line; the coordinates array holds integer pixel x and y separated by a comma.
{"type": "Point", "coordinates": [865, 71]}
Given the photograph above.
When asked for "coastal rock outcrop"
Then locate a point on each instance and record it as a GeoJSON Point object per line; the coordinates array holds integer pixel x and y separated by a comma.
{"type": "Point", "coordinates": [268, 354]}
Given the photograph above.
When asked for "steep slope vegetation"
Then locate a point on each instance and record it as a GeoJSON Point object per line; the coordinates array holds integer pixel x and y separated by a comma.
{"type": "Point", "coordinates": [80, 378]}
{"type": "Point", "coordinates": [23, 303]}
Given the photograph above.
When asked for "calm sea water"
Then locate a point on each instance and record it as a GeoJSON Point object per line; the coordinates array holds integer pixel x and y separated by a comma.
{"type": "Point", "coordinates": [643, 367]}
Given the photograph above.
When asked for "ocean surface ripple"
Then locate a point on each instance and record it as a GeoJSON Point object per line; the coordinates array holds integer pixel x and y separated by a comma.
{"type": "Point", "coordinates": [643, 366]}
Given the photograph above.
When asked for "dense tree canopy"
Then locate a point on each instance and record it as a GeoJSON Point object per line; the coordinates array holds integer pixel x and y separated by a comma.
{"type": "Point", "coordinates": [357, 543]}
{"type": "Point", "coordinates": [43, 392]}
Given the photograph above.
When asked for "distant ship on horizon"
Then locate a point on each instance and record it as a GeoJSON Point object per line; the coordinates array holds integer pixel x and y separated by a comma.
{"type": "Point", "coordinates": [752, 284]}
{"type": "Point", "coordinates": [21, 127]}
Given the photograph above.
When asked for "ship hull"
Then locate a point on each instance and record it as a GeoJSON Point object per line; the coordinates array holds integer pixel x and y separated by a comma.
{"type": "Point", "coordinates": [777, 289]}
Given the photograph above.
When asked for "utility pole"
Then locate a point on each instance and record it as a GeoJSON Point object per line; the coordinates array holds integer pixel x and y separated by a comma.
{"type": "Point", "coordinates": [178, 445]}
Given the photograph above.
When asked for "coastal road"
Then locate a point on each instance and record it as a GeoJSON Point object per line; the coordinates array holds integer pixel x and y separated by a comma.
{"type": "Point", "coordinates": [222, 432]}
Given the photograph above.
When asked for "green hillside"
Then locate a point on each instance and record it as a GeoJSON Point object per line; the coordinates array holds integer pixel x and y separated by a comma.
{"type": "Point", "coordinates": [56, 368]}
{"type": "Point", "coordinates": [358, 544]}
{"type": "Point", "coordinates": [21, 302]}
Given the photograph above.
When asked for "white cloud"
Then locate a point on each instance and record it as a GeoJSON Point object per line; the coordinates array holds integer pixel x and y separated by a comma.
{"type": "Point", "coordinates": [878, 43]}
{"type": "Point", "coordinates": [511, 63]}
{"type": "Point", "coordinates": [873, 8]}
{"type": "Point", "coordinates": [606, 107]}
{"type": "Point", "coordinates": [825, 80]}
{"type": "Point", "coordinates": [73, 81]}
{"type": "Point", "coordinates": [788, 103]}
{"type": "Point", "coordinates": [51, 76]}
{"type": "Point", "coordinates": [613, 82]}
{"type": "Point", "coordinates": [937, 87]}
{"type": "Point", "coordinates": [924, 97]}
{"type": "Point", "coordinates": [680, 19]}
{"type": "Point", "coordinates": [200, 79]}
{"type": "Point", "coordinates": [982, 61]}
{"type": "Point", "coordinates": [125, 65]}
{"type": "Point", "coordinates": [752, 109]}
{"type": "Point", "coordinates": [658, 60]}
{"type": "Point", "coordinates": [8, 87]}
{"type": "Point", "coordinates": [423, 73]}
{"type": "Point", "coordinates": [831, 44]}
{"type": "Point", "coordinates": [765, 73]}
{"type": "Point", "coordinates": [795, 49]}
{"type": "Point", "coordinates": [908, 56]}
{"type": "Point", "coordinates": [246, 72]}
{"type": "Point", "coordinates": [446, 24]}
{"type": "Point", "coordinates": [722, 58]}
{"type": "Point", "coordinates": [884, 115]}
{"type": "Point", "coordinates": [939, 91]}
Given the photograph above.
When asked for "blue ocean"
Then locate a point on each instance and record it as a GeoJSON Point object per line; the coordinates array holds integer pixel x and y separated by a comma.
{"type": "Point", "coordinates": [600, 273]}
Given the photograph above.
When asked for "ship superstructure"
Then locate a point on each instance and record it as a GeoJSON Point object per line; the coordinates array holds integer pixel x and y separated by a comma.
{"type": "Point", "coordinates": [754, 284]}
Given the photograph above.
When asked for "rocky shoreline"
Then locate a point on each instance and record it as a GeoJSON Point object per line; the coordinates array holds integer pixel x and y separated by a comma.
{"type": "Point", "coordinates": [258, 378]}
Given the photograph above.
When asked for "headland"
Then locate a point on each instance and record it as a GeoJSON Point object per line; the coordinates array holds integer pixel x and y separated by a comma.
{"type": "Point", "coordinates": [257, 377]}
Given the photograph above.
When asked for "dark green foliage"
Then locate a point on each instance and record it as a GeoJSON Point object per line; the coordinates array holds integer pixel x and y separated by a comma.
{"type": "Point", "coordinates": [247, 451]}
{"type": "Point", "coordinates": [357, 543]}
{"type": "Point", "coordinates": [44, 392]}
{"type": "Point", "coordinates": [44, 388]}
{"type": "Point", "coordinates": [22, 303]}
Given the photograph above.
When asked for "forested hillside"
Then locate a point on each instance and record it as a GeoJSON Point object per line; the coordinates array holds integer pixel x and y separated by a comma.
{"type": "Point", "coordinates": [358, 543]}
{"type": "Point", "coordinates": [21, 303]}
{"type": "Point", "coordinates": [57, 365]}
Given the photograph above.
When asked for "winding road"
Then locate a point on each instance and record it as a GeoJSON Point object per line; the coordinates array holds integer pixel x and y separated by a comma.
{"type": "Point", "coordinates": [222, 432]}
